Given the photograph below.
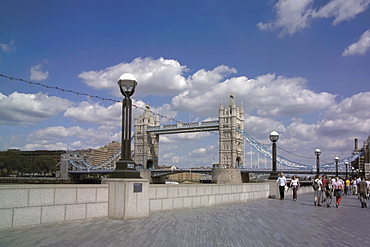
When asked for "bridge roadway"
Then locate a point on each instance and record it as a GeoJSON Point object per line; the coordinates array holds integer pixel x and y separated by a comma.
{"type": "Point", "coordinates": [265, 222]}
{"type": "Point", "coordinates": [163, 172]}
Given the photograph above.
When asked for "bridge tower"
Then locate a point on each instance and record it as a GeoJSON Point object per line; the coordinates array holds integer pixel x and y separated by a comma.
{"type": "Point", "coordinates": [146, 144]}
{"type": "Point", "coordinates": [231, 142]}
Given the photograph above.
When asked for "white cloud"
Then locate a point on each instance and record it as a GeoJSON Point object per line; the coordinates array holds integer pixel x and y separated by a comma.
{"type": "Point", "coordinates": [261, 127]}
{"type": "Point", "coordinates": [8, 48]}
{"type": "Point", "coordinates": [37, 74]}
{"type": "Point", "coordinates": [351, 115]}
{"type": "Point", "coordinates": [89, 112]}
{"type": "Point", "coordinates": [357, 105]}
{"type": "Point", "coordinates": [342, 10]}
{"type": "Point", "coordinates": [96, 113]}
{"type": "Point", "coordinates": [360, 47]}
{"type": "Point", "coordinates": [263, 94]}
{"type": "Point", "coordinates": [28, 109]}
{"type": "Point", "coordinates": [71, 137]}
{"type": "Point", "coordinates": [154, 77]}
{"type": "Point", "coordinates": [293, 16]}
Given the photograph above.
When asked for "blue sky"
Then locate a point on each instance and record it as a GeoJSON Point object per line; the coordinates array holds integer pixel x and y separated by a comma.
{"type": "Point", "coordinates": [301, 68]}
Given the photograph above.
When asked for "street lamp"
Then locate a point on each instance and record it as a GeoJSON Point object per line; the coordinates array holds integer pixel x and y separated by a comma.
{"type": "Point", "coordinates": [317, 153]}
{"type": "Point", "coordinates": [274, 137]}
{"type": "Point", "coordinates": [346, 163]}
{"type": "Point", "coordinates": [125, 167]}
{"type": "Point", "coordinates": [336, 159]}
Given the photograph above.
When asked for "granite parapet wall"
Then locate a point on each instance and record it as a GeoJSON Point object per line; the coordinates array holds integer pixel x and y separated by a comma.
{"type": "Point", "coordinates": [27, 204]}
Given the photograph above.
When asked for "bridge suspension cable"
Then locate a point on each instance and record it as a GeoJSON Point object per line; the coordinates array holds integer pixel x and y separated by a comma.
{"type": "Point", "coordinates": [268, 154]}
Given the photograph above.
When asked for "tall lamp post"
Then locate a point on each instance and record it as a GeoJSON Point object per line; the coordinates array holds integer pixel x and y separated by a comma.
{"type": "Point", "coordinates": [274, 137]}
{"type": "Point", "coordinates": [125, 167]}
{"type": "Point", "coordinates": [346, 163]}
{"type": "Point", "coordinates": [317, 153]}
{"type": "Point", "coordinates": [336, 159]}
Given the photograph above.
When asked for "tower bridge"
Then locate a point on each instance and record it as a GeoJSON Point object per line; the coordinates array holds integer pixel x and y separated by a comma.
{"type": "Point", "coordinates": [231, 144]}
{"type": "Point", "coordinates": [232, 137]}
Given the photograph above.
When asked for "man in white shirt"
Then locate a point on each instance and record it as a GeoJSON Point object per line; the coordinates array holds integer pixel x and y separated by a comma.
{"type": "Point", "coordinates": [282, 182]}
{"type": "Point", "coordinates": [317, 192]}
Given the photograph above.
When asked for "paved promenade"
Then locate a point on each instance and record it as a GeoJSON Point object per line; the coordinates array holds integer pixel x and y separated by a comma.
{"type": "Point", "coordinates": [267, 222]}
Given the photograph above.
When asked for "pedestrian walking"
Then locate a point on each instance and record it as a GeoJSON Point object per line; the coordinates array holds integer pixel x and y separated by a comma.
{"type": "Point", "coordinates": [282, 183]}
{"type": "Point", "coordinates": [348, 187]}
{"type": "Point", "coordinates": [328, 189]}
{"type": "Point", "coordinates": [354, 185]}
{"type": "Point", "coordinates": [362, 192]}
{"type": "Point", "coordinates": [324, 180]}
{"type": "Point", "coordinates": [317, 190]}
{"type": "Point", "coordinates": [294, 183]}
{"type": "Point", "coordinates": [338, 191]}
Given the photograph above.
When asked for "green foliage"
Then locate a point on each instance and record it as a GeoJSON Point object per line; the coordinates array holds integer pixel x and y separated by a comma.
{"type": "Point", "coordinates": [12, 163]}
{"type": "Point", "coordinates": [45, 164]}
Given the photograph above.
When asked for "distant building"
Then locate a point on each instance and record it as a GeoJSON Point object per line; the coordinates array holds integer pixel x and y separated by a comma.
{"type": "Point", "coordinates": [97, 156]}
{"type": "Point", "coordinates": [185, 176]}
{"type": "Point", "coordinates": [363, 162]}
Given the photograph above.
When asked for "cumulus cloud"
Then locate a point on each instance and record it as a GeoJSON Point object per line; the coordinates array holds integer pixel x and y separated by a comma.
{"type": "Point", "coordinates": [334, 133]}
{"type": "Point", "coordinates": [351, 115]}
{"type": "Point", "coordinates": [293, 16]}
{"type": "Point", "coordinates": [342, 10]}
{"type": "Point", "coordinates": [357, 105]}
{"type": "Point", "coordinates": [256, 94]}
{"type": "Point", "coordinates": [37, 74]}
{"type": "Point", "coordinates": [261, 127]}
{"type": "Point", "coordinates": [360, 47]}
{"type": "Point", "coordinates": [8, 48]}
{"type": "Point", "coordinates": [28, 109]}
{"type": "Point", "coordinates": [71, 137]}
{"type": "Point", "coordinates": [95, 113]}
{"type": "Point", "coordinates": [155, 76]}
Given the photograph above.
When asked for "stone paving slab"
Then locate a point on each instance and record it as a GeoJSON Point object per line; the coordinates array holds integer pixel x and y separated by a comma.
{"type": "Point", "coordinates": [266, 222]}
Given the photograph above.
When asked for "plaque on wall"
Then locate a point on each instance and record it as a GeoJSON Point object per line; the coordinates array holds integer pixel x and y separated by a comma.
{"type": "Point", "coordinates": [138, 187]}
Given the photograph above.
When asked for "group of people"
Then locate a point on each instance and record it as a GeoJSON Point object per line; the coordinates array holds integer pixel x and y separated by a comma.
{"type": "Point", "coordinates": [282, 182]}
{"type": "Point", "coordinates": [325, 188]}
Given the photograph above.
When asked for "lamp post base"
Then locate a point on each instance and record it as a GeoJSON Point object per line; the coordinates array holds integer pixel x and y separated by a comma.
{"type": "Point", "coordinates": [274, 176]}
{"type": "Point", "coordinates": [125, 169]}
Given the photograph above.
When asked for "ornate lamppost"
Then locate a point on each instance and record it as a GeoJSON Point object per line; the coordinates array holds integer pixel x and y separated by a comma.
{"type": "Point", "coordinates": [346, 163]}
{"type": "Point", "coordinates": [125, 167]}
{"type": "Point", "coordinates": [274, 137]}
{"type": "Point", "coordinates": [317, 153]}
{"type": "Point", "coordinates": [336, 159]}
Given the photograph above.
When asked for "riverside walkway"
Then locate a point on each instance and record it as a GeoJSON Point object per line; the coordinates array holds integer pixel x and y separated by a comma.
{"type": "Point", "coordinates": [266, 222]}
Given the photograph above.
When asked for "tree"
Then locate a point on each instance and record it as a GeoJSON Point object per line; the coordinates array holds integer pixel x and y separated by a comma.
{"type": "Point", "coordinates": [45, 164]}
{"type": "Point", "coordinates": [11, 162]}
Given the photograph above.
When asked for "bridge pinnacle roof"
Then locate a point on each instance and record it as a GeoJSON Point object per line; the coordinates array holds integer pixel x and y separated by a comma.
{"type": "Point", "coordinates": [146, 111]}
{"type": "Point", "coordinates": [231, 100]}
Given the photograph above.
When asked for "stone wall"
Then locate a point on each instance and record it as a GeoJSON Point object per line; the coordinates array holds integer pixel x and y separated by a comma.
{"type": "Point", "coordinates": [26, 204]}
{"type": "Point", "coordinates": [29, 204]}
{"type": "Point", "coordinates": [180, 196]}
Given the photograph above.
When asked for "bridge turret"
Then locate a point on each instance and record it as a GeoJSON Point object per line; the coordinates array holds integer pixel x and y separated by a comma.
{"type": "Point", "coordinates": [146, 144]}
{"type": "Point", "coordinates": [231, 143]}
